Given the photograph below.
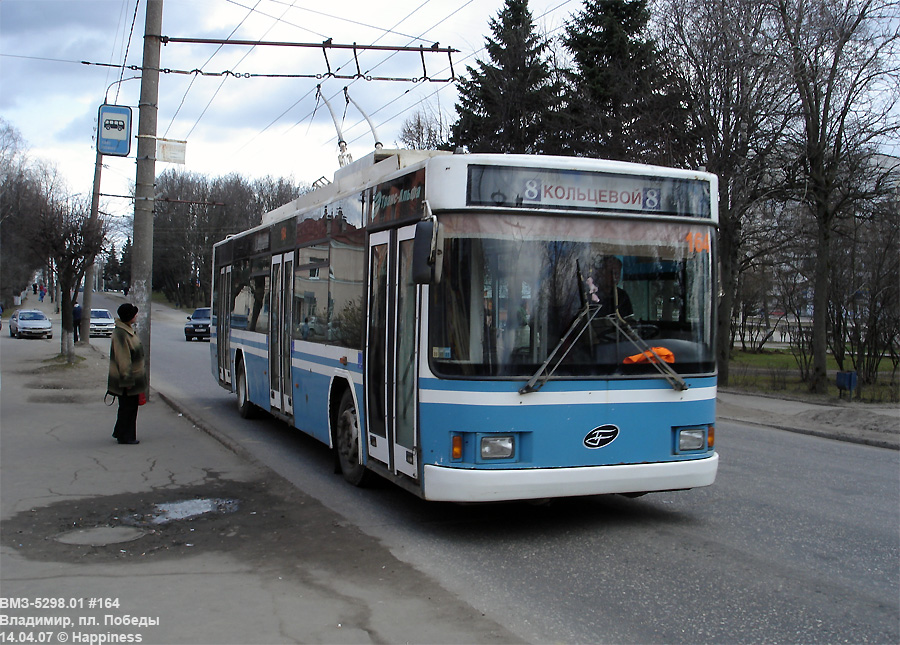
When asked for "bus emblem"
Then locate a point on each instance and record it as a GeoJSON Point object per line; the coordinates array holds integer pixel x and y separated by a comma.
{"type": "Point", "coordinates": [600, 437]}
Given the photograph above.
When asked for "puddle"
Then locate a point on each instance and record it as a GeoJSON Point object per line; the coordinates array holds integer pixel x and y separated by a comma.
{"type": "Point", "coordinates": [172, 511]}
{"type": "Point", "coordinates": [101, 536]}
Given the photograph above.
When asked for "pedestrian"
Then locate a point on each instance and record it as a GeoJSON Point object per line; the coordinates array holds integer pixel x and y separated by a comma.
{"type": "Point", "coordinates": [41, 293]}
{"type": "Point", "coordinates": [127, 375]}
{"type": "Point", "coordinates": [76, 319]}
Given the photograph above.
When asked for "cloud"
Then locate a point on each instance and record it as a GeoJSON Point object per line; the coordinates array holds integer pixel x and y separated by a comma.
{"type": "Point", "coordinates": [254, 126]}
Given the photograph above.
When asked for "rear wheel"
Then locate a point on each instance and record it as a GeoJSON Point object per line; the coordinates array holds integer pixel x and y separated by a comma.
{"type": "Point", "coordinates": [347, 443]}
{"type": "Point", "coordinates": [245, 408]}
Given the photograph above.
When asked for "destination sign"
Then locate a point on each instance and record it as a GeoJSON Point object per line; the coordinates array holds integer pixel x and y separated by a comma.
{"type": "Point", "coordinates": [583, 190]}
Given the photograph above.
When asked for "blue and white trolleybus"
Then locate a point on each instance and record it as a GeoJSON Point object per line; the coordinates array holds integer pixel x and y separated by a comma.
{"type": "Point", "coordinates": [484, 327]}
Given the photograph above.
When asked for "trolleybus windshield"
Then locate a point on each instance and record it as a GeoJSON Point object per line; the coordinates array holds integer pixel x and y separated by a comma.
{"type": "Point", "coordinates": [513, 286]}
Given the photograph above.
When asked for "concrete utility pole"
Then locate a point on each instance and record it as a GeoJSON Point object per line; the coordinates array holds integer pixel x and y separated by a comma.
{"type": "Point", "coordinates": [87, 300]}
{"type": "Point", "coordinates": [145, 182]}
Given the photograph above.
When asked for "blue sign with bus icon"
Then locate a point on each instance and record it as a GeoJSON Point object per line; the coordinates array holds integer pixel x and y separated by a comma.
{"type": "Point", "coordinates": [114, 130]}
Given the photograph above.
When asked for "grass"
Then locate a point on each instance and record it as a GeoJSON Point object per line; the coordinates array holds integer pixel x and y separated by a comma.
{"type": "Point", "coordinates": [776, 371]}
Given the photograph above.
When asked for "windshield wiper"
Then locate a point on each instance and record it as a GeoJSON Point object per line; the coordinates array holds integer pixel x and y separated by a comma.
{"type": "Point", "coordinates": [588, 312]}
{"type": "Point", "coordinates": [533, 384]}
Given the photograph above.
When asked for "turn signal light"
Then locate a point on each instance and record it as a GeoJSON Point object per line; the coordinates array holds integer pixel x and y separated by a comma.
{"type": "Point", "coordinates": [456, 451]}
{"type": "Point", "coordinates": [711, 437]}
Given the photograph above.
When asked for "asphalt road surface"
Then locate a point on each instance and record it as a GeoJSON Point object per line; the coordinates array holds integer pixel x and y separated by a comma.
{"type": "Point", "coordinates": [796, 542]}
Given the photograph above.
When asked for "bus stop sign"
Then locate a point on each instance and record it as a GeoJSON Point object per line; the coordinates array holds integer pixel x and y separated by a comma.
{"type": "Point", "coordinates": [114, 130]}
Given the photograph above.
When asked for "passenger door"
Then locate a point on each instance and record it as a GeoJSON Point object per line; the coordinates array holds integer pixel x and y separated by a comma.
{"type": "Point", "coordinates": [280, 325]}
{"type": "Point", "coordinates": [392, 352]}
{"type": "Point", "coordinates": [222, 316]}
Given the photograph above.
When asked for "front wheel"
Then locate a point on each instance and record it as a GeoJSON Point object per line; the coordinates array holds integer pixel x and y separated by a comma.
{"type": "Point", "coordinates": [347, 443]}
{"type": "Point", "coordinates": [246, 409]}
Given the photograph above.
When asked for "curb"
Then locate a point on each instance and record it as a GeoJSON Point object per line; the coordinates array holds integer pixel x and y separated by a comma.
{"type": "Point", "coordinates": [823, 434]}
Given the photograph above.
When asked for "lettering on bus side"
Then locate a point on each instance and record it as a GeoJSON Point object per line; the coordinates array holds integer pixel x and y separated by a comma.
{"type": "Point", "coordinates": [601, 436]}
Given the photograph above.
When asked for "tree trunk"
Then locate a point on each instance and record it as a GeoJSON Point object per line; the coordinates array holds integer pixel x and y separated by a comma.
{"type": "Point", "coordinates": [729, 246]}
{"type": "Point", "coordinates": [818, 382]}
{"type": "Point", "coordinates": [67, 337]}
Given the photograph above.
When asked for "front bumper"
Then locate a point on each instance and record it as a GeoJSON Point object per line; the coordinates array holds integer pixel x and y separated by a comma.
{"type": "Point", "coordinates": [34, 333]}
{"type": "Point", "coordinates": [470, 485]}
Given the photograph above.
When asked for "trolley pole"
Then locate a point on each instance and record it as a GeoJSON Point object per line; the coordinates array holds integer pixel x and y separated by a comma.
{"type": "Point", "coordinates": [145, 182]}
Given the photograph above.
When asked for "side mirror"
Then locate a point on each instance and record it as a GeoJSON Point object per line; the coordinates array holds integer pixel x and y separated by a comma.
{"type": "Point", "coordinates": [426, 268]}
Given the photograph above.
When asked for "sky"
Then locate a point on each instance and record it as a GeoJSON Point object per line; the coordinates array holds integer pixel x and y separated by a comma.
{"type": "Point", "coordinates": [251, 126]}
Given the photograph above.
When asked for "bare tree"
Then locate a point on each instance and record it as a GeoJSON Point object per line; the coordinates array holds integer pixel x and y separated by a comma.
{"type": "Point", "coordinates": [839, 54]}
{"type": "Point", "coordinates": [865, 280]}
{"type": "Point", "coordinates": [193, 213]}
{"type": "Point", "coordinates": [740, 106]}
{"type": "Point", "coordinates": [21, 198]}
{"type": "Point", "coordinates": [64, 233]}
{"type": "Point", "coordinates": [426, 129]}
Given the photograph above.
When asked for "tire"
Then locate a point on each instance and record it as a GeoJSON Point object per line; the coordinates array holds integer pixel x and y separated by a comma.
{"type": "Point", "coordinates": [245, 408]}
{"type": "Point", "coordinates": [188, 339]}
{"type": "Point", "coordinates": [346, 443]}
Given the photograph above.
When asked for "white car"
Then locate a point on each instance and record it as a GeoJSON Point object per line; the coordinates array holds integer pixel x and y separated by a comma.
{"type": "Point", "coordinates": [30, 323]}
{"type": "Point", "coordinates": [102, 322]}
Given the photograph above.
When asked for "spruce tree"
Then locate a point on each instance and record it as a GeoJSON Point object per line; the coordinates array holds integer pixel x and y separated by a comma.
{"type": "Point", "coordinates": [125, 266]}
{"type": "Point", "coordinates": [111, 269]}
{"type": "Point", "coordinates": [507, 103]}
{"type": "Point", "coordinates": [621, 102]}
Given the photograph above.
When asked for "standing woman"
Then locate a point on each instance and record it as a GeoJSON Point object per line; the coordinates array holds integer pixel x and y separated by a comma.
{"type": "Point", "coordinates": [127, 375]}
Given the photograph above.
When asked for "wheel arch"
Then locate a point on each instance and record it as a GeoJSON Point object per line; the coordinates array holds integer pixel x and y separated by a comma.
{"type": "Point", "coordinates": [340, 383]}
{"type": "Point", "coordinates": [237, 362]}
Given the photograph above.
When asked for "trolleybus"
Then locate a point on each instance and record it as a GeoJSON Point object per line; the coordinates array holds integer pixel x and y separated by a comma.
{"type": "Point", "coordinates": [484, 327]}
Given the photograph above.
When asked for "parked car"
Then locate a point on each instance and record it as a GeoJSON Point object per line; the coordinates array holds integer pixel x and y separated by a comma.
{"type": "Point", "coordinates": [102, 322]}
{"type": "Point", "coordinates": [197, 325]}
{"type": "Point", "coordinates": [31, 323]}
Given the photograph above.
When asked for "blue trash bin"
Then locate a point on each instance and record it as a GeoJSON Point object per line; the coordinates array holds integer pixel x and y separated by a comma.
{"type": "Point", "coordinates": [846, 381]}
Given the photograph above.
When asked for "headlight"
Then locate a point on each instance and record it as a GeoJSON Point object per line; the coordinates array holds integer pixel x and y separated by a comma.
{"type": "Point", "coordinates": [498, 447]}
{"type": "Point", "coordinates": [691, 439]}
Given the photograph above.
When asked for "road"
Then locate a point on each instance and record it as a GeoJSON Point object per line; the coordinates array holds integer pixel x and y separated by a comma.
{"type": "Point", "coordinates": [796, 542]}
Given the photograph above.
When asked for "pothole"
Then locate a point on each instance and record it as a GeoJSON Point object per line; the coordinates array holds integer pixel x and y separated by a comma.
{"type": "Point", "coordinates": [163, 513]}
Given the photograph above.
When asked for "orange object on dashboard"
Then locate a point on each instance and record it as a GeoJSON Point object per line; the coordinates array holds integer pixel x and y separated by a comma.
{"type": "Point", "coordinates": [666, 355]}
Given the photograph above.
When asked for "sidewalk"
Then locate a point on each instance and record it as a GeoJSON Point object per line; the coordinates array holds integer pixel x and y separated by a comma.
{"type": "Point", "coordinates": [85, 527]}
{"type": "Point", "coordinates": [864, 423]}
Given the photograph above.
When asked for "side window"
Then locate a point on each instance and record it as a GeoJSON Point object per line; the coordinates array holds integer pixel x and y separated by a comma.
{"type": "Point", "coordinates": [241, 299]}
{"type": "Point", "coordinates": [259, 293]}
{"type": "Point", "coordinates": [346, 287]}
{"type": "Point", "coordinates": [311, 303]}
